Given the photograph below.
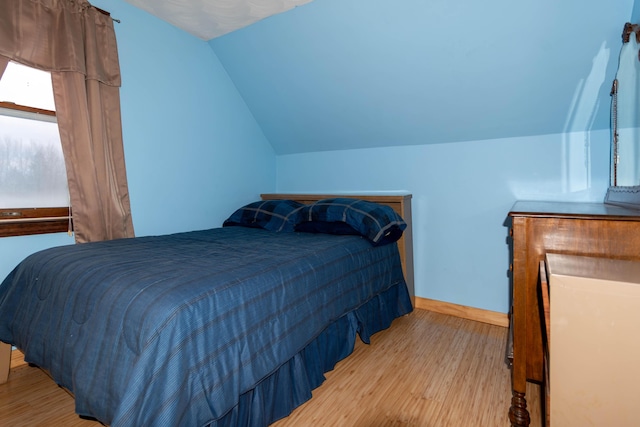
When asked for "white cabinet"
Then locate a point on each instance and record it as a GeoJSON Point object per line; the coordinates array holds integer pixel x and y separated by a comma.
{"type": "Point", "coordinates": [594, 341]}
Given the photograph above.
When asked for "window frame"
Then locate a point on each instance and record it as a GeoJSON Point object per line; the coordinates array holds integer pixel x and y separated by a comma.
{"type": "Point", "coordinates": [29, 221]}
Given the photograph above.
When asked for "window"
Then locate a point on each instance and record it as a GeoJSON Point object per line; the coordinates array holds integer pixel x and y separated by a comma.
{"type": "Point", "coordinates": [34, 197]}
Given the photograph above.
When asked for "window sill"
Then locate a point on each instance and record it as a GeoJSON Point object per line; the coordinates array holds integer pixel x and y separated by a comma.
{"type": "Point", "coordinates": [28, 221]}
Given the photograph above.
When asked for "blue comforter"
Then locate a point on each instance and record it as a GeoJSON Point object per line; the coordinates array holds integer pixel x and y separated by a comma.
{"type": "Point", "coordinates": [172, 330]}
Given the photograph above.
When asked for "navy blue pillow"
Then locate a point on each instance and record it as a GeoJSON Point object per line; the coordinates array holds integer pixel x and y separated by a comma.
{"type": "Point", "coordinates": [336, 227]}
{"type": "Point", "coordinates": [378, 223]}
{"type": "Point", "coordinates": [272, 215]}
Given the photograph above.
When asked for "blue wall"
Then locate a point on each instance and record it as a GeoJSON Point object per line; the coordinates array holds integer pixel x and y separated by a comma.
{"type": "Point", "coordinates": [635, 15]}
{"type": "Point", "coordinates": [336, 74]}
{"type": "Point", "coordinates": [469, 106]}
{"type": "Point", "coordinates": [329, 79]}
{"type": "Point", "coordinates": [194, 152]}
{"type": "Point", "coordinates": [462, 193]}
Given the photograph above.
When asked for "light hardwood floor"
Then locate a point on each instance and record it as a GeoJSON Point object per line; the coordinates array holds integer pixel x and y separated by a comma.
{"type": "Point", "coordinates": [427, 370]}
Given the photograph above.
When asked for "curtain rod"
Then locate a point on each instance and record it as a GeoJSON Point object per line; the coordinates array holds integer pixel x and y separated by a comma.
{"type": "Point", "coordinates": [104, 12]}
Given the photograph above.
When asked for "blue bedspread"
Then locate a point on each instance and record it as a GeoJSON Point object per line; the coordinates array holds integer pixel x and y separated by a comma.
{"type": "Point", "coordinates": [172, 330]}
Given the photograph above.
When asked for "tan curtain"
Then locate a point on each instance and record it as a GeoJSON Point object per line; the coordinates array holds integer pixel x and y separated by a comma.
{"type": "Point", "coordinates": [77, 44]}
{"type": "Point", "coordinates": [3, 65]}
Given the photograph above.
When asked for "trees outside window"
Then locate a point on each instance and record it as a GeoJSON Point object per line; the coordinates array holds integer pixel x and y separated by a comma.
{"type": "Point", "coordinates": [33, 180]}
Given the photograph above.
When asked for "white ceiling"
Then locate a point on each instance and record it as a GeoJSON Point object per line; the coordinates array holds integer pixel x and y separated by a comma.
{"type": "Point", "coordinates": [208, 19]}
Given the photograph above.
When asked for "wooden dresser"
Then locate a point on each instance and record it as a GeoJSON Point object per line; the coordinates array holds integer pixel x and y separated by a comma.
{"type": "Point", "coordinates": [537, 228]}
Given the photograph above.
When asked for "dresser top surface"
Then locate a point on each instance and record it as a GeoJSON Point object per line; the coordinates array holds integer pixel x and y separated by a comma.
{"type": "Point", "coordinates": [572, 210]}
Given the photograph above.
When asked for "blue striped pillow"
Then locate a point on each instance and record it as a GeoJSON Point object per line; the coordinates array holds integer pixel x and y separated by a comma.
{"type": "Point", "coordinates": [272, 215]}
{"type": "Point", "coordinates": [378, 223]}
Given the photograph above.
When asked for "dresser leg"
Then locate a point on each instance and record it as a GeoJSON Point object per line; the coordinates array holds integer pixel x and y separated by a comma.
{"type": "Point", "coordinates": [518, 414]}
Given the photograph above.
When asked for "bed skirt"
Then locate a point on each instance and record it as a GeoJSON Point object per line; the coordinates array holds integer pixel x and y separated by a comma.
{"type": "Point", "coordinates": [277, 395]}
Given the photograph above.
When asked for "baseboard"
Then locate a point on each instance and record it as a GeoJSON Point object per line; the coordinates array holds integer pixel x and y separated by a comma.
{"type": "Point", "coordinates": [470, 313]}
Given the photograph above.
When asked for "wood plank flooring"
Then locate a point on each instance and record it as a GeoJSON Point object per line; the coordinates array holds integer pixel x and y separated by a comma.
{"type": "Point", "coordinates": [427, 370]}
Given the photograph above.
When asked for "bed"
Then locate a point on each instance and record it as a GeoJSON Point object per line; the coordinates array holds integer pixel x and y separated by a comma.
{"type": "Point", "coordinates": [231, 326]}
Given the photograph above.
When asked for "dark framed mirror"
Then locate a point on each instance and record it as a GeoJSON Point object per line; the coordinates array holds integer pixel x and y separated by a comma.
{"type": "Point", "coordinates": [624, 184]}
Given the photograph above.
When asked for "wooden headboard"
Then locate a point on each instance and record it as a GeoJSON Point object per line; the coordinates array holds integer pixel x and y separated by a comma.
{"type": "Point", "coordinates": [400, 203]}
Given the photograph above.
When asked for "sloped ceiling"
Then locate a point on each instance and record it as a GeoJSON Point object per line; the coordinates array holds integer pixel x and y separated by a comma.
{"type": "Point", "coordinates": [349, 74]}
